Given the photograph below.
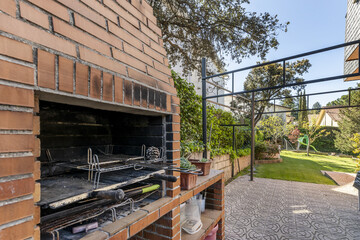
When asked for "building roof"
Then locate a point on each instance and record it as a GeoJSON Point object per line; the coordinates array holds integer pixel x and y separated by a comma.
{"type": "Point", "coordinates": [334, 114]}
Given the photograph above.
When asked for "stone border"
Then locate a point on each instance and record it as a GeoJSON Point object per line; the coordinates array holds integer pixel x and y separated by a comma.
{"type": "Point", "coordinates": [278, 160]}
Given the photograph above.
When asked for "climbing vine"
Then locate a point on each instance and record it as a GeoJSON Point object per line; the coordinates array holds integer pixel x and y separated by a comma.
{"type": "Point", "coordinates": [219, 137]}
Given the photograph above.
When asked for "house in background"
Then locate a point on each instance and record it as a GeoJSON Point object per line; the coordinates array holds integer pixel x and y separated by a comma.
{"type": "Point", "coordinates": [352, 33]}
{"type": "Point", "coordinates": [283, 112]}
{"type": "Point", "coordinates": [329, 117]}
{"type": "Point", "coordinates": [214, 86]}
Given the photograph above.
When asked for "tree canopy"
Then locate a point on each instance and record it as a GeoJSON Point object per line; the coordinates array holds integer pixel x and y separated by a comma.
{"type": "Point", "coordinates": [193, 29]}
{"type": "Point", "coordinates": [349, 123]}
{"type": "Point", "coordinates": [270, 76]}
{"type": "Point", "coordinates": [316, 105]}
{"type": "Point", "coordinates": [273, 127]}
{"type": "Point", "coordinates": [313, 132]}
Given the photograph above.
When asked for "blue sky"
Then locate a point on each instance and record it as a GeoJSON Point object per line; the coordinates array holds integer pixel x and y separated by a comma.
{"type": "Point", "coordinates": [314, 24]}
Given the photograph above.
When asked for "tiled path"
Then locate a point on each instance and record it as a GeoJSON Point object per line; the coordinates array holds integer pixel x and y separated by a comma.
{"type": "Point", "coordinates": [275, 209]}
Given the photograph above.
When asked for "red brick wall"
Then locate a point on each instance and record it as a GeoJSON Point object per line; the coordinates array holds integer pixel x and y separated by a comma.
{"type": "Point", "coordinates": [107, 52]}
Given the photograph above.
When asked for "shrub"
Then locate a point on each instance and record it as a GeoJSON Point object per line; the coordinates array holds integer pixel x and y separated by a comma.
{"type": "Point", "coordinates": [327, 143]}
{"type": "Point", "coordinates": [233, 154]}
{"type": "Point", "coordinates": [244, 152]}
{"type": "Point", "coordinates": [219, 137]}
{"type": "Point", "coordinates": [265, 148]}
{"type": "Point", "coordinates": [188, 147]}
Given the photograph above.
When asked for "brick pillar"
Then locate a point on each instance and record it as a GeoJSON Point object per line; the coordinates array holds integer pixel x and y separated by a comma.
{"type": "Point", "coordinates": [18, 192]}
{"type": "Point", "coordinates": [37, 165]}
{"type": "Point", "coordinates": [173, 151]}
{"type": "Point", "coordinates": [215, 200]}
{"type": "Point", "coordinates": [167, 227]}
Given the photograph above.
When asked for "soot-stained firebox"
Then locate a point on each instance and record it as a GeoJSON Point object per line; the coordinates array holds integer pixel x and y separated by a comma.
{"type": "Point", "coordinates": [96, 166]}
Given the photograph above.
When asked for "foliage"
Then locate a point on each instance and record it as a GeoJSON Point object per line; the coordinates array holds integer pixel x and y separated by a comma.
{"type": "Point", "coordinates": [293, 104]}
{"type": "Point", "coordinates": [273, 127]}
{"type": "Point", "coordinates": [327, 143]}
{"type": "Point", "coordinates": [349, 123]}
{"type": "Point", "coordinates": [303, 115]}
{"type": "Point", "coordinates": [316, 105]}
{"type": "Point", "coordinates": [313, 131]}
{"type": "Point", "coordinates": [302, 168]}
{"type": "Point", "coordinates": [356, 143]}
{"type": "Point", "coordinates": [294, 135]}
{"type": "Point", "coordinates": [186, 164]}
{"type": "Point", "coordinates": [265, 148]}
{"type": "Point", "coordinates": [188, 147]}
{"type": "Point", "coordinates": [233, 154]}
{"type": "Point", "coordinates": [219, 137]}
{"type": "Point", "coordinates": [194, 29]}
{"type": "Point", "coordinates": [220, 151]}
{"type": "Point", "coordinates": [190, 109]}
{"type": "Point", "coordinates": [243, 152]}
{"type": "Point", "coordinates": [204, 160]}
{"type": "Point", "coordinates": [269, 76]}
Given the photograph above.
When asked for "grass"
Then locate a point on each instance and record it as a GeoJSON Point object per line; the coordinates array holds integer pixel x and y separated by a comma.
{"type": "Point", "coordinates": [302, 168]}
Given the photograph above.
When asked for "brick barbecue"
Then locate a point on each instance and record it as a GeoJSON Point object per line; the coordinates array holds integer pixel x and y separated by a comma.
{"type": "Point", "coordinates": [81, 73]}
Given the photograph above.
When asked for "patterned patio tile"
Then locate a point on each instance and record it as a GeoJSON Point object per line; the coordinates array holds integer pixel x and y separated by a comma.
{"type": "Point", "coordinates": [280, 210]}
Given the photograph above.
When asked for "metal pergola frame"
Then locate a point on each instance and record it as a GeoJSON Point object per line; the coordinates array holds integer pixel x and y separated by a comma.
{"type": "Point", "coordinates": [284, 85]}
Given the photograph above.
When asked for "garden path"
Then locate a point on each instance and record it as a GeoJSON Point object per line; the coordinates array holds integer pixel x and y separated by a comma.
{"type": "Point", "coordinates": [276, 209]}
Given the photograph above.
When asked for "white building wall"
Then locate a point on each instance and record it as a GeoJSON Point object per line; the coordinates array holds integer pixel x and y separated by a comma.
{"type": "Point", "coordinates": [195, 78]}
{"type": "Point", "coordinates": [327, 121]}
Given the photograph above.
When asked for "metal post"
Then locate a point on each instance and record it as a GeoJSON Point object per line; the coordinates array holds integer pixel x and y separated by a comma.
{"type": "Point", "coordinates": [359, 199]}
{"type": "Point", "coordinates": [359, 58]}
{"type": "Point", "coordinates": [233, 165]}
{"type": "Point", "coordinates": [284, 72]}
{"type": "Point", "coordinates": [203, 75]}
{"type": "Point", "coordinates": [252, 136]}
{"type": "Point", "coordinates": [233, 87]}
{"type": "Point", "coordinates": [233, 138]}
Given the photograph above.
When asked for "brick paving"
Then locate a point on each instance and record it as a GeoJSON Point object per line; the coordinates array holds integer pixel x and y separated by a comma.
{"type": "Point", "coordinates": [275, 209]}
{"type": "Point", "coordinates": [340, 178]}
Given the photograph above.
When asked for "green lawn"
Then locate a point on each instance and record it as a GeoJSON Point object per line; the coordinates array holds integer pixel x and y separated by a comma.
{"type": "Point", "coordinates": [302, 168]}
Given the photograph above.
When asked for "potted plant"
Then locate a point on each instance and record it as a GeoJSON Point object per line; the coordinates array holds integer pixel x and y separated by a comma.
{"type": "Point", "coordinates": [203, 164]}
{"type": "Point", "coordinates": [187, 180]}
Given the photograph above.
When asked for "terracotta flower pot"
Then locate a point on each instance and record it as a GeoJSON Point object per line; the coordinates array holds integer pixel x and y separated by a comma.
{"type": "Point", "coordinates": [187, 181]}
{"type": "Point", "coordinates": [204, 166]}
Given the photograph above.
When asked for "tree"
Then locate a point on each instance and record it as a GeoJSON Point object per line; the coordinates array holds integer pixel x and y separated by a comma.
{"type": "Point", "coordinates": [273, 127]}
{"type": "Point", "coordinates": [293, 104]}
{"type": "Point", "coordinates": [349, 123]}
{"type": "Point", "coordinates": [294, 134]}
{"type": "Point", "coordinates": [356, 144]}
{"type": "Point", "coordinates": [303, 114]}
{"type": "Point", "coordinates": [193, 29]}
{"type": "Point", "coordinates": [269, 76]}
{"type": "Point", "coordinates": [313, 132]}
{"type": "Point", "coordinates": [316, 105]}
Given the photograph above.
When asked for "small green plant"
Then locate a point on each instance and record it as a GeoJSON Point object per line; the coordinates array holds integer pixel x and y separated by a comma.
{"type": "Point", "coordinates": [184, 163]}
{"type": "Point", "coordinates": [204, 160]}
